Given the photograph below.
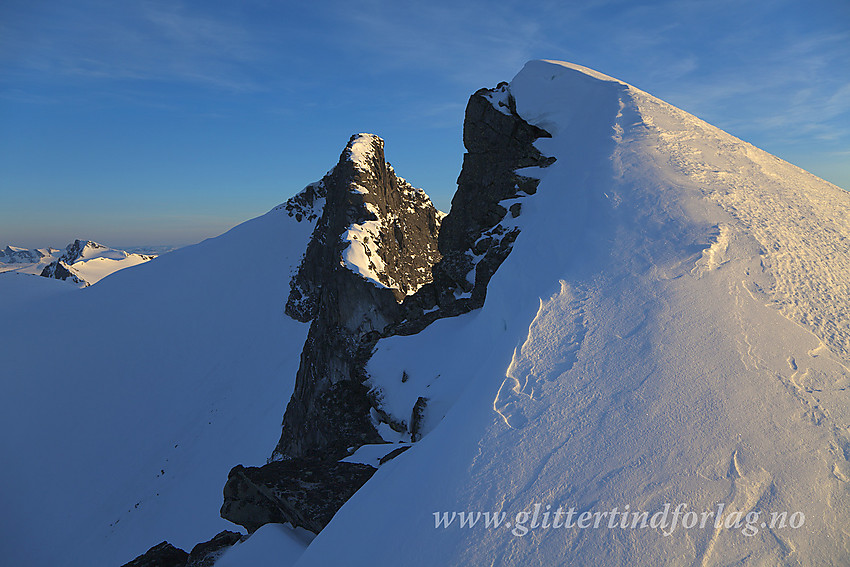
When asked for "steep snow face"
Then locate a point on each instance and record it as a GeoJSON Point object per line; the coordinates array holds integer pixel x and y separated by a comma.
{"type": "Point", "coordinates": [669, 332]}
{"type": "Point", "coordinates": [125, 406]}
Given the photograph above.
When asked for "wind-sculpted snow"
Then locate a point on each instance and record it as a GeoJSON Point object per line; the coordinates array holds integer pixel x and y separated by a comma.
{"type": "Point", "coordinates": [802, 222]}
{"type": "Point", "coordinates": [669, 332]}
{"type": "Point", "coordinates": [550, 350]}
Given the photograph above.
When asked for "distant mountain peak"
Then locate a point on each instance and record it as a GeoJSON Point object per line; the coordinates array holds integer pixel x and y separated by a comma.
{"type": "Point", "coordinates": [86, 262]}
{"type": "Point", "coordinates": [81, 248]}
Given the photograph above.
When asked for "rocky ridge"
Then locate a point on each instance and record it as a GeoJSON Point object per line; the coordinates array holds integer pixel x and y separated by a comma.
{"type": "Point", "coordinates": [373, 244]}
{"type": "Point", "coordinates": [380, 263]}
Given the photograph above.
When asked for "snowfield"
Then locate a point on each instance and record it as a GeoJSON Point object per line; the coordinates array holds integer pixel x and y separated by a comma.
{"type": "Point", "coordinates": [670, 328]}
{"type": "Point", "coordinates": [126, 404]}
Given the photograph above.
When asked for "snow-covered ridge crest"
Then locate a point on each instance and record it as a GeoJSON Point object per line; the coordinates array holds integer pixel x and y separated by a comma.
{"type": "Point", "coordinates": [18, 255]}
{"type": "Point", "coordinates": [800, 221]}
{"type": "Point", "coordinates": [630, 352]}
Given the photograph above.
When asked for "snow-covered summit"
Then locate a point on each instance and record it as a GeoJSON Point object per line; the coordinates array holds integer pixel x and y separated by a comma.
{"type": "Point", "coordinates": [362, 148]}
{"type": "Point", "coordinates": [86, 262]}
{"type": "Point", "coordinates": [88, 250]}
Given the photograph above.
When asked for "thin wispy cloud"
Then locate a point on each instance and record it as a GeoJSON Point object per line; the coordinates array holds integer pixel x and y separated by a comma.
{"type": "Point", "coordinates": [137, 42]}
{"type": "Point", "coordinates": [469, 42]}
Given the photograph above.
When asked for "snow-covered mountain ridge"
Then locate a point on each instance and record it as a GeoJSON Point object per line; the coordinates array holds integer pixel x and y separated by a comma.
{"type": "Point", "coordinates": [83, 262]}
{"type": "Point", "coordinates": [669, 328]}
{"type": "Point", "coordinates": [86, 262]}
{"type": "Point", "coordinates": [18, 255]}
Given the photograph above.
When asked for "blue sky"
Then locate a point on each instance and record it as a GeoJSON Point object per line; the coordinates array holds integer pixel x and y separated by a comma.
{"type": "Point", "coordinates": [149, 123]}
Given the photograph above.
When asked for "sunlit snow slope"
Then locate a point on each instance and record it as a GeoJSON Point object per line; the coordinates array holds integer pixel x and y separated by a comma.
{"type": "Point", "coordinates": [671, 327]}
{"type": "Point", "coordinates": [125, 405]}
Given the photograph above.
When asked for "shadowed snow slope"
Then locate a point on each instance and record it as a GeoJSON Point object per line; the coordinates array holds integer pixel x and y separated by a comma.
{"type": "Point", "coordinates": [671, 327]}
{"type": "Point", "coordinates": [125, 404]}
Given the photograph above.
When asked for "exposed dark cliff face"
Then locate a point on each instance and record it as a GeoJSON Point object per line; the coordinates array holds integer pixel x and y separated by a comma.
{"type": "Point", "coordinates": [374, 244]}
{"type": "Point", "coordinates": [498, 142]}
{"type": "Point", "coordinates": [373, 216]}
{"type": "Point", "coordinates": [379, 264]}
{"type": "Point", "coordinates": [60, 271]}
{"type": "Point", "coordinates": [474, 239]}
{"type": "Point", "coordinates": [305, 492]}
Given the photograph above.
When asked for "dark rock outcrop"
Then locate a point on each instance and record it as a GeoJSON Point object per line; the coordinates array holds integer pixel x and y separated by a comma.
{"type": "Point", "coordinates": [373, 245]}
{"type": "Point", "coordinates": [304, 491]}
{"type": "Point", "coordinates": [474, 240]}
{"type": "Point", "coordinates": [207, 553]}
{"type": "Point", "coordinates": [161, 555]}
{"type": "Point", "coordinates": [203, 555]}
{"type": "Point", "coordinates": [378, 264]}
{"type": "Point", "coordinates": [60, 271]}
{"type": "Point", "coordinates": [77, 248]}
